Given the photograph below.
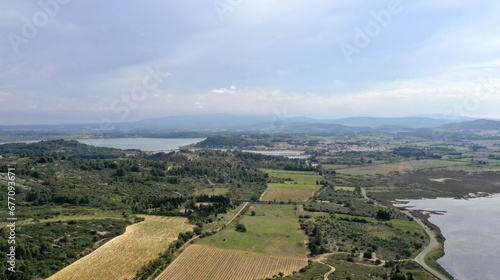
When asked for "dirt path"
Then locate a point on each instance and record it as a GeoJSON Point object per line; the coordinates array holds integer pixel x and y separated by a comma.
{"type": "Point", "coordinates": [236, 215]}
{"type": "Point", "coordinates": [262, 195]}
{"type": "Point", "coordinates": [332, 270]}
{"type": "Point", "coordinates": [374, 258]}
{"type": "Point", "coordinates": [210, 182]}
{"type": "Point", "coordinates": [320, 259]}
{"type": "Point", "coordinates": [363, 193]}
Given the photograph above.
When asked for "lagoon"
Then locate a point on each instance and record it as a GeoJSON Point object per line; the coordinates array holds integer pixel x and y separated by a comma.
{"type": "Point", "coordinates": [144, 144]}
{"type": "Point", "coordinates": [170, 144]}
{"type": "Point", "coordinates": [471, 228]}
{"type": "Point", "coordinates": [165, 145]}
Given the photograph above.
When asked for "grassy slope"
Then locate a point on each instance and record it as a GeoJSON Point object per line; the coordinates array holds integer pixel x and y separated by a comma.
{"type": "Point", "coordinates": [301, 177]}
{"type": "Point", "coordinates": [274, 230]}
{"type": "Point", "coordinates": [211, 191]}
{"type": "Point", "coordinates": [297, 185]}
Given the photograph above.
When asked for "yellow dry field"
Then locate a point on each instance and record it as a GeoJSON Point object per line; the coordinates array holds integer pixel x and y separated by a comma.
{"type": "Point", "coordinates": [287, 194]}
{"type": "Point", "coordinates": [124, 255]}
{"type": "Point", "coordinates": [343, 188]}
{"type": "Point", "coordinates": [199, 262]}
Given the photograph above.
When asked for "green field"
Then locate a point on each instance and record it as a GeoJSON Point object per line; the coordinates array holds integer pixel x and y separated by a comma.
{"type": "Point", "coordinates": [294, 186]}
{"type": "Point", "coordinates": [286, 186]}
{"type": "Point", "coordinates": [211, 191]}
{"type": "Point", "coordinates": [295, 179]}
{"type": "Point", "coordinates": [274, 230]}
{"type": "Point", "coordinates": [222, 219]}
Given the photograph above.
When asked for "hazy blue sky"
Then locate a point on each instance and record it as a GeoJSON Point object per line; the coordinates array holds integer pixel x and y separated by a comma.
{"type": "Point", "coordinates": [85, 61]}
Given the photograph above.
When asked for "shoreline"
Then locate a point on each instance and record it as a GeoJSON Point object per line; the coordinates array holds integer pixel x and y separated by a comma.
{"type": "Point", "coordinates": [428, 257]}
{"type": "Point", "coordinates": [436, 238]}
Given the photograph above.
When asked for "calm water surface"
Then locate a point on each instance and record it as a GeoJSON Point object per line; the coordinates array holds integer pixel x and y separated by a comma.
{"type": "Point", "coordinates": [472, 231]}
{"type": "Point", "coordinates": [165, 144]}
{"type": "Point", "coordinates": [144, 144]}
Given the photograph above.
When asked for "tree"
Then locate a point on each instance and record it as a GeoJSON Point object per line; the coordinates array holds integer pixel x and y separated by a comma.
{"type": "Point", "coordinates": [367, 255]}
{"type": "Point", "coordinates": [135, 168]}
{"type": "Point", "coordinates": [35, 175]}
{"type": "Point", "coordinates": [241, 227]}
{"type": "Point", "coordinates": [120, 172]}
{"type": "Point", "coordinates": [383, 215]}
{"type": "Point", "coordinates": [197, 230]}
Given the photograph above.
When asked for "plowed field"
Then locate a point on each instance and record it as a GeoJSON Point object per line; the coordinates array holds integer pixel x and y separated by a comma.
{"type": "Point", "coordinates": [123, 256]}
{"type": "Point", "coordinates": [199, 262]}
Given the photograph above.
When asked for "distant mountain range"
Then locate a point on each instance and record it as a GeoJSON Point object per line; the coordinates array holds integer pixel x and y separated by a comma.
{"type": "Point", "coordinates": [473, 125]}
{"type": "Point", "coordinates": [375, 122]}
{"type": "Point", "coordinates": [268, 123]}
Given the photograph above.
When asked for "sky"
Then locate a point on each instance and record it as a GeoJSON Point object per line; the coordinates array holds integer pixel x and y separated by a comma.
{"type": "Point", "coordinates": [67, 61]}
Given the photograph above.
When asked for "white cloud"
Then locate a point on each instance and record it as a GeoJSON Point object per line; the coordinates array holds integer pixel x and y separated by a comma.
{"type": "Point", "coordinates": [231, 89]}
{"type": "Point", "coordinates": [278, 54]}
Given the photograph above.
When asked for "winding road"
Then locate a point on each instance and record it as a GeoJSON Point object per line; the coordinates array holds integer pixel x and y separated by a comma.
{"type": "Point", "coordinates": [433, 243]}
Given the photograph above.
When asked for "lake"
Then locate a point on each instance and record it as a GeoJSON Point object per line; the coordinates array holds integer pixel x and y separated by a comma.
{"type": "Point", "coordinates": [471, 228]}
{"type": "Point", "coordinates": [167, 144]}
{"type": "Point", "coordinates": [144, 144]}
{"type": "Point", "coordinates": [157, 145]}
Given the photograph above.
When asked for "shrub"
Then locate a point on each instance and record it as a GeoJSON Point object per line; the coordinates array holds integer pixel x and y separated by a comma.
{"type": "Point", "coordinates": [241, 228]}
{"type": "Point", "coordinates": [367, 255]}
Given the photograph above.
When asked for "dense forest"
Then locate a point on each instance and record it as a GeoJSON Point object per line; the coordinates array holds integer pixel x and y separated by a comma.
{"type": "Point", "coordinates": [66, 148]}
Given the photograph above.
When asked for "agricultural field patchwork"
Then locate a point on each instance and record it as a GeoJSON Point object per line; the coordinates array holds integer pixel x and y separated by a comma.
{"type": "Point", "coordinates": [199, 262]}
{"type": "Point", "coordinates": [122, 257]}
{"type": "Point", "coordinates": [79, 206]}
{"type": "Point", "coordinates": [291, 186]}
